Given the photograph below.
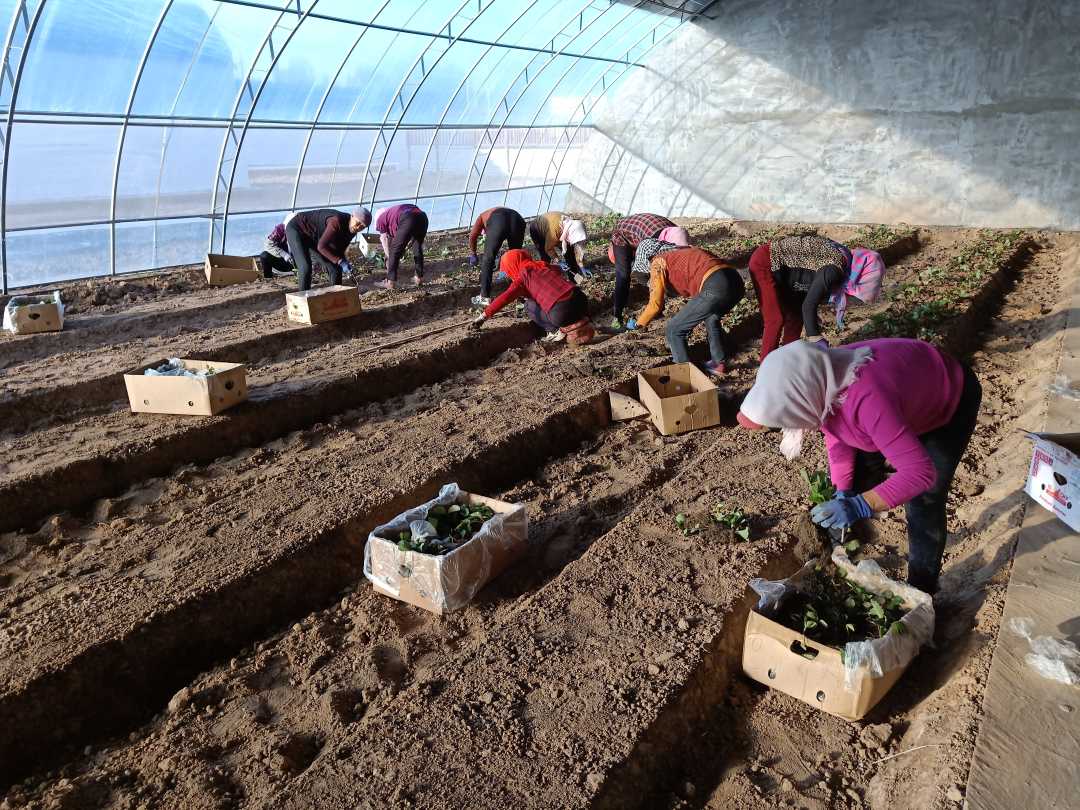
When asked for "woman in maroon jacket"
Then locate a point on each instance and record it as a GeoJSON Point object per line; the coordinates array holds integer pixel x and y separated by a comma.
{"type": "Point", "coordinates": [551, 302]}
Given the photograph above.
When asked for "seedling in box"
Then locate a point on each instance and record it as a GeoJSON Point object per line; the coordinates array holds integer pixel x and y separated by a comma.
{"type": "Point", "coordinates": [446, 528]}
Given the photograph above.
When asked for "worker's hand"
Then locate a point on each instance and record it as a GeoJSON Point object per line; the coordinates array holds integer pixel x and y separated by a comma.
{"type": "Point", "coordinates": [818, 341]}
{"type": "Point", "coordinates": [845, 493]}
{"type": "Point", "coordinates": [473, 261]}
{"type": "Point", "coordinates": [346, 268]}
{"type": "Point", "coordinates": [840, 512]}
{"type": "Point", "coordinates": [478, 321]}
{"type": "Point", "coordinates": [631, 325]}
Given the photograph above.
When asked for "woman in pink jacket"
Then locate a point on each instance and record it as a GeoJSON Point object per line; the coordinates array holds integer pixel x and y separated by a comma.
{"type": "Point", "coordinates": [892, 400]}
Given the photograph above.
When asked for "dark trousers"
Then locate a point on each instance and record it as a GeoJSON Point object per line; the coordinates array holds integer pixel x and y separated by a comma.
{"type": "Point", "coordinates": [562, 313]}
{"type": "Point", "coordinates": [412, 227]}
{"type": "Point", "coordinates": [624, 259]}
{"type": "Point", "coordinates": [539, 239]}
{"type": "Point", "coordinates": [269, 262]}
{"type": "Point", "coordinates": [719, 295]}
{"type": "Point", "coordinates": [926, 513]}
{"type": "Point", "coordinates": [504, 225]}
{"type": "Point", "coordinates": [308, 259]}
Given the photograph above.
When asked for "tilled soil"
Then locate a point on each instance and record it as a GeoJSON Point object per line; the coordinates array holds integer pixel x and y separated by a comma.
{"type": "Point", "coordinates": [575, 679]}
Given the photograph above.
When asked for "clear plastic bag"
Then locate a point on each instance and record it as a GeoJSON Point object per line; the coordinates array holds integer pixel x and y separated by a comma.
{"type": "Point", "coordinates": [447, 581]}
{"type": "Point", "coordinates": [1063, 387]}
{"type": "Point", "coordinates": [17, 301]}
{"type": "Point", "coordinates": [174, 367]}
{"type": "Point", "coordinates": [1052, 658]}
{"type": "Point", "coordinates": [879, 655]}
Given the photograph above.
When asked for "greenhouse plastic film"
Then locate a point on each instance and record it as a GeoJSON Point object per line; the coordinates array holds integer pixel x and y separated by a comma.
{"type": "Point", "coordinates": [880, 655]}
{"type": "Point", "coordinates": [449, 581]}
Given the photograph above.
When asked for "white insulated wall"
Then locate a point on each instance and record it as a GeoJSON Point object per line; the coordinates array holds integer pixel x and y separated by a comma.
{"type": "Point", "coordinates": [936, 112]}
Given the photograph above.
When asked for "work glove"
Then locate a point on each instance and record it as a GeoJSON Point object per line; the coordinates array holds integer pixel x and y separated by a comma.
{"type": "Point", "coordinates": [631, 324]}
{"type": "Point", "coordinates": [840, 512]}
{"type": "Point", "coordinates": [346, 268]}
{"type": "Point", "coordinates": [845, 493]}
{"type": "Point", "coordinates": [818, 342]}
{"type": "Point", "coordinates": [473, 261]}
{"type": "Point", "coordinates": [478, 321]}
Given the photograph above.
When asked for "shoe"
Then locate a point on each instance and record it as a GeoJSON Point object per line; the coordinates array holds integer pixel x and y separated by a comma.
{"type": "Point", "coordinates": [282, 273]}
{"type": "Point", "coordinates": [418, 281]}
{"type": "Point", "coordinates": [553, 337]}
{"type": "Point", "coordinates": [481, 302]}
{"type": "Point", "coordinates": [715, 369]}
{"type": "Point", "coordinates": [385, 284]}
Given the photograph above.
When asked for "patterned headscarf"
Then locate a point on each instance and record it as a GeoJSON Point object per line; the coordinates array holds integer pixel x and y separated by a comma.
{"type": "Point", "coordinates": [647, 250]}
{"type": "Point", "coordinates": [864, 281]}
{"type": "Point", "coordinates": [797, 387]}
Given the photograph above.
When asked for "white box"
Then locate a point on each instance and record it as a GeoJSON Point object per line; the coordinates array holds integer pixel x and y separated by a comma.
{"type": "Point", "coordinates": [1054, 476]}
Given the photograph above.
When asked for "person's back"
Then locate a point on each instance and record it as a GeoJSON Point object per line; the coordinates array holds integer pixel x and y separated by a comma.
{"type": "Point", "coordinates": [687, 268]}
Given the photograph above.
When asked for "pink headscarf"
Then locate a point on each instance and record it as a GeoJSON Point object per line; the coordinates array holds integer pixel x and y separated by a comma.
{"type": "Point", "coordinates": [675, 235]}
{"type": "Point", "coordinates": [864, 281]}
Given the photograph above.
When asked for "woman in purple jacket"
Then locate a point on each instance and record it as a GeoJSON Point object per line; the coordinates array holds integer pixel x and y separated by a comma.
{"type": "Point", "coordinates": [892, 400]}
{"type": "Point", "coordinates": [397, 227]}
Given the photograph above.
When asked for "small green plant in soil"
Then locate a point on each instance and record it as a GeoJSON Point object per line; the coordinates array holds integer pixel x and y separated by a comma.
{"type": "Point", "coordinates": [733, 518]}
{"type": "Point", "coordinates": [819, 485]}
{"type": "Point", "coordinates": [685, 526]}
{"type": "Point", "coordinates": [833, 610]}
{"type": "Point", "coordinates": [454, 526]}
{"type": "Point", "coordinates": [605, 222]}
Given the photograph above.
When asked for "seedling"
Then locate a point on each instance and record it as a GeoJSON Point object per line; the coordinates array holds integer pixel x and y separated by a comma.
{"type": "Point", "coordinates": [821, 488]}
{"type": "Point", "coordinates": [833, 610]}
{"type": "Point", "coordinates": [733, 518]}
{"type": "Point", "coordinates": [451, 526]}
{"type": "Point", "coordinates": [683, 524]}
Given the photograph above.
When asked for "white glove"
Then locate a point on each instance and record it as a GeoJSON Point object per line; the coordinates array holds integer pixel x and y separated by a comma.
{"type": "Point", "coordinates": [478, 321]}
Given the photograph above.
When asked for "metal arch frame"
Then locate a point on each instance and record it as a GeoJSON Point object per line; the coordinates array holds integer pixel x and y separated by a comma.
{"type": "Point", "coordinates": [426, 71]}
{"type": "Point", "coordinates": [16, 81]}
{"type": "Point", "coordinates": [551, 92]}
{"type": "Point", "coordinates": [322, 105]}
{"type": "Point", "coordinates": [230, 135]}
{"type": "Point", "coordinates": [577, 128]}
{"type": "Point", "coordinates": [441, 123]}
{"type": "Point", "coordinates": [512, 107]}
{"type": "Point", "coordinates": [502, 103]}
{"type": "Point", "coordinates": [124, 128]}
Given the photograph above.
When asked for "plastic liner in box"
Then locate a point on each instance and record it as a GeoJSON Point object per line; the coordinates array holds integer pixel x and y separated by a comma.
{"type": "Point", "coordinates": [447, 581]}
{"type": "Point", "coordinates": [879, 655]}
{"type": "Point", "coordinates": [17, 301]}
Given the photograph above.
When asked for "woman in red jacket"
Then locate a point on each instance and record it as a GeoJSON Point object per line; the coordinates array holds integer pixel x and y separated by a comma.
{"type": "Point", "coordinates": [551, 302]}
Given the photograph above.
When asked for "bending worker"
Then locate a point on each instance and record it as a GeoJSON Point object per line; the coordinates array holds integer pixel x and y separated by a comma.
{"type": "Point", "coordinates": [551, 301]}
{"type": "Point", "coordinates": [321, 237]}
{"type": "Point", "coordinates": [398, 226]}
{"type": "Point", "coordinates": [625, 238]}
{"type": "Point", "coordinates": [714, 288]}
{"type": "Point", "coordinates": [275, 259]}
{"type": "Point", "coordinates": [892, 400]}
{"type": "Point", "coordinates": [498, 225]}
{"type": "Point", "coordinates": [794, 275]}
{"type": "Point", "coordinates": [555, 234]}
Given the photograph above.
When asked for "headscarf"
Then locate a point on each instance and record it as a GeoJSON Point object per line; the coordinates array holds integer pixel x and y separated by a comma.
{"type": "Point", "coordinates": [573, 231]}
{"type": "Point", "coordinates": [515, 261]}
{"type": "Point", "coordinates": [675, 235]}
{"type": "Point", "coordinates": [864, 281]}
{"type": "Point", "coordinates": [798, 386]}
{"type": "Point", "coordinates": [647, 250]}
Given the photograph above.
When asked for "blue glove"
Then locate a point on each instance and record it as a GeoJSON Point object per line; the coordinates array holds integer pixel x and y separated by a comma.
{"type": "Point", "coordinates": [845, 493]}
{"type": "Point", "coordinates": [473, 261]}
{"type": "Point", "coordinates": [346, 268]}
{"type": "Point", "coordinates": [841, 512]}
{"type": "Point", "coordinates": [631, 324]}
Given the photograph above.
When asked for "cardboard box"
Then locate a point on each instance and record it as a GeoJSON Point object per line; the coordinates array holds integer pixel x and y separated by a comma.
{"type": "Point", "coordinates": [679, 397]}
{"type": "Point", "coordinates": [322, 304]}
{"type": "Point", "coordinates": [197, 396]}
{"type": "Point", "coordinates": [27, 314]}
{"type": "Point", "coordinates": [1054, 476]}
{"type": "Point", "coordinates": [222, 270]}
{"type": "Point", "coordinates": [449, 581]}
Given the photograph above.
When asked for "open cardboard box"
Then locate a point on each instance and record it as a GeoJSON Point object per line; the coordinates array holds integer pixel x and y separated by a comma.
{"type": "Point", "coordinates": [680, 398]}
{"type": "Point", "coordinates": [27, 314]}
{"type": "Point", "coordinates": [449, 581]}
{"type": "Point", "coordinates": [322, 304]}
{"type": "Point", "coordinates": [785, 659]}
{"type": "Point", "coordinates": [198, 396]}
{"type": "Point", "coordinates": [222, 270]}
{"type": "Point", "coordinates": [1053, 479]}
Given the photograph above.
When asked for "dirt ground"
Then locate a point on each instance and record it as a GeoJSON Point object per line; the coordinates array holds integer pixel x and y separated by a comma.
{"type": "Point", "coordinates": [194, 629]}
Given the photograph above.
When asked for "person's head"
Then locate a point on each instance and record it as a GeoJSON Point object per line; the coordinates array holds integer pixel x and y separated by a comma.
{"type": "Point", "coordinates": [574, 232]}
{"type": "Point", "coordinates": [514, 261]}
{"type": "Point", "coordinates": [359, 218]}
{"type": "Point", "coordinates": [863, 282]}
{"type": "Point", "coordinates": [676, 236]}
{"type": "Point", "coordinates": [797, 388]}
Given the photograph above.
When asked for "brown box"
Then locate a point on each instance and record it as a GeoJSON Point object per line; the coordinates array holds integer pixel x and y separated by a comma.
{"type": "Point", "coordinates": [27, 314]}
{"type": "Point", "coordinates": [322, 304]}
{"type": "Point", "coordinates": [222, 270]}
{"type": "Point", "coordinates": [449, 581]}
{"type": "Point", "coordinates": [679, 397]}
{"type": "Point", "coordinates": [198, 396]}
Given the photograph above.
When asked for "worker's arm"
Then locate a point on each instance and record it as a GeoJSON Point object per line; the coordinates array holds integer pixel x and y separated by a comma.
{"type": "Point", "coordinates": [515, 290]}
{"type": "Point", "coordinates": [772, 314]}
{"type": "Point", "coordinates": [657, 291]}
{"type": "Point", "coordinates": [474, 234]}
{"type": "Point", "coordinates": [328, 239]}
{"type": "Point", "coordinates": [825, 280]}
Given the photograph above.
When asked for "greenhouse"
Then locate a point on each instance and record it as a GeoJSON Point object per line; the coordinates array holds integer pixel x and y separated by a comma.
{"type": "Point", "coordinates": [528, 404]}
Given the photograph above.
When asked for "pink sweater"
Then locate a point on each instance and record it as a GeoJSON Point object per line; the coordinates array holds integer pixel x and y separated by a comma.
{"type": "Point", "coordinates": [909, 388]}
